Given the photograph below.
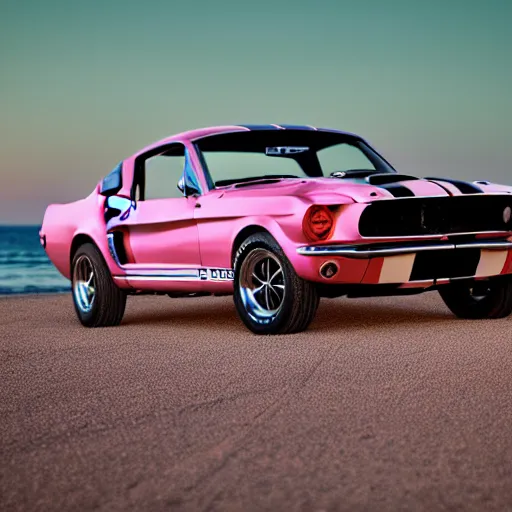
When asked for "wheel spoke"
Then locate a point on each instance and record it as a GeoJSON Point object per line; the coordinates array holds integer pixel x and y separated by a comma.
{"type": "Point", "coordinates": [83, 293]}
{"type": "Point", "coordinates": [267, 297]}
{"type": "Point", "coordinates": [84, 287]}
{"type": "Point", "coordinates": [257, 290]}
{"type": "Point", "coordinates": [257, 278]}
{"type": "Point", "coordinates": [279, 298]}
{"type": "Point", "coordinates": [276, 273]}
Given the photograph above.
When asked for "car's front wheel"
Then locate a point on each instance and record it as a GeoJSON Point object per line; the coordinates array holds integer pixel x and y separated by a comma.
{"type": "Point", "coordinates": [98, 301]}
{"type": "Point", "coordinates": [480, 299]}
{"type": "Point", "coordinates": [269, 296]}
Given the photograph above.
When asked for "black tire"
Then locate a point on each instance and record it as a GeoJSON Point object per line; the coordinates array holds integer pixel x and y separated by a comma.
{"type": "Point", "coordinates": [291, 313]}
{"type": "Point", "coordinates": [480, 299]}
{"type": "Point", "coordinates": [105, 305]}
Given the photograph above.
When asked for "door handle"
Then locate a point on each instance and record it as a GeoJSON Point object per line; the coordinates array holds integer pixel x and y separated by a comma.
{"type": "Point", "coordinates": [198, 205]}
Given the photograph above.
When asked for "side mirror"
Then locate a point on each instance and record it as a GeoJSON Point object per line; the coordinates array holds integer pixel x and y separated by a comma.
{"type": "Point", "coordinates": [181, 185]}
{"type": "Point", "coordinates": [186, 188]}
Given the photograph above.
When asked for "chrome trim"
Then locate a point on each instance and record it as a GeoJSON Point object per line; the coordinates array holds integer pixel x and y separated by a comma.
{"type": "Point", "coordinates": [191, 274]}
{"type": "Point", "coordinates": [365, 251]}
{"type": "Point", "coordinates": [155, 278]}
{"type": "Point", "coordinates": [429, 236]}
{"type": "Point", "coordinates": [84, 284]}
{"type": "Point", "coordinates": [176, 274]}
{"type": "Point", "coordinates": [262, 285]}
{"type": "Point", "coordinates": [502, 244]}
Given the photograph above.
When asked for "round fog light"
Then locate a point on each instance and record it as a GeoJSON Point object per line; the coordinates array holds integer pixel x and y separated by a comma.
{"type": "Point", "coordinates": [329, 269]}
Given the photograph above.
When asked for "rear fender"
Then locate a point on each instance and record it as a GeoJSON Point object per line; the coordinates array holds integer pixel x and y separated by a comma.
{"type": "Point", "coordinates": [67, 226]}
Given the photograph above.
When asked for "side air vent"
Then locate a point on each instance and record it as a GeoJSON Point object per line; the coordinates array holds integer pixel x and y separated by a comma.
{"type": "Point", "coordinates": [116, 247]}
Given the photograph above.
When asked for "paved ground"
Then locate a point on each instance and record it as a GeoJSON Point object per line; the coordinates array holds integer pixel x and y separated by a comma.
{"type": "Point", "coordinates": [384, 404]}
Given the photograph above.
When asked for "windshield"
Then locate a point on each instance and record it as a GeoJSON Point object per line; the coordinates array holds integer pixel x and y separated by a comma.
{"type": "Point", "coordinates": [237, 158]}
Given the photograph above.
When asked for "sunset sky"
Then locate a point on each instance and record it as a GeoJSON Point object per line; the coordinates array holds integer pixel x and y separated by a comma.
{"type": "Point", "coordinates": [85, 84]}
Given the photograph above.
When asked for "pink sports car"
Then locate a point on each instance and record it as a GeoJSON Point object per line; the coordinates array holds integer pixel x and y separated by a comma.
{"type": "Point", "coordinates": [280, 216]}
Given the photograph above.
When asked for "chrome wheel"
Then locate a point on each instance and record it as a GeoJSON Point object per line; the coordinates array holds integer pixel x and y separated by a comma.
{"type": "Point", "coordinates": [261, 285]}
{"type": "Point", "coordinates": [84, 284]}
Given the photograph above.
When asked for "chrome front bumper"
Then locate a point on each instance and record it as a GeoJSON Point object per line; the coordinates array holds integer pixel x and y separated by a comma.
{"type": "Point", "coordinates": [394, 249]}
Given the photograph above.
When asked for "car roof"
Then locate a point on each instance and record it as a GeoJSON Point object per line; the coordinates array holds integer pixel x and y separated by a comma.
{"type": "Point", "coordinates": [201, 133]}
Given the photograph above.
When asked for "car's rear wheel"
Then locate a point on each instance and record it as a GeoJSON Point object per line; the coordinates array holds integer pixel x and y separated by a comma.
{"type": "Point", "coordinates": [480, 299]}
{"type": "Point", "coordinates": [269, 296]}
{"type": "Point", "coordinates": [98, 301]}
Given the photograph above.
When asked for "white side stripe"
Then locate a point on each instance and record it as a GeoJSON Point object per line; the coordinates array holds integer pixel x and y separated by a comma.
{"type": "Point", "coordinates": [186, 274]}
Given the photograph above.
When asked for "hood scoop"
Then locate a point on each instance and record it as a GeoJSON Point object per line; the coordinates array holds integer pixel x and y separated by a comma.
{"type": "Point", "coordinates": [373, 177]}
{"type": "Point", "coordinates": [387, 177]}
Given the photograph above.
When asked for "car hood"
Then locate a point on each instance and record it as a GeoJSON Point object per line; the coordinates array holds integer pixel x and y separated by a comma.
{"type": "Point", "coordinates": [360, 190]}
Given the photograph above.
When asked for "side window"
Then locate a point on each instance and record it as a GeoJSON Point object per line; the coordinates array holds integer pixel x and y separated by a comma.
{"type": "Point", "coordinates": [343, 157]}
{"type": "Point", "coordinates": [162, 173]}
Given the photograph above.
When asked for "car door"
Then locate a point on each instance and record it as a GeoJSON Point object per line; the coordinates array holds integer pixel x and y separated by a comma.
{"type": "Point", "coordinates": [160, 233]}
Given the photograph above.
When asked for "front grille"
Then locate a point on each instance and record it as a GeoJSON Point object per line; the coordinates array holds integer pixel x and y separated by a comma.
{"type": "Point", "coordinates": [435, 216]}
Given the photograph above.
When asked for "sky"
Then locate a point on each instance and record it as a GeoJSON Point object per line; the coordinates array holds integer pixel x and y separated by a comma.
{"type": "Point", "coordinates": [85, 84]}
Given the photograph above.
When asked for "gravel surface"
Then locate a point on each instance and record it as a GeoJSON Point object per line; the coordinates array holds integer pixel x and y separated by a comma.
{"type": "Point", "coordinates": [383, 404]}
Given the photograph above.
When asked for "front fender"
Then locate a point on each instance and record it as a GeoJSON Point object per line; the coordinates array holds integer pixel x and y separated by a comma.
{"type": "Point", "coordinates": [487, 186]}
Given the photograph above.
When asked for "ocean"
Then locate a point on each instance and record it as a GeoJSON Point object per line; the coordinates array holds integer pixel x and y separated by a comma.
{"type": "Point", "coordinates": [24, 266]}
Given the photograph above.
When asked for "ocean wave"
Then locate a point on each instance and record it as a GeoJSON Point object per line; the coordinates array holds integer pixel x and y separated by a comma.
{"type": "Point", "coordinates": [24, 262]}
{"type": "Point", "coordinates": [29, 289]}
{"type": "Point", "coordinates": [24, 265]}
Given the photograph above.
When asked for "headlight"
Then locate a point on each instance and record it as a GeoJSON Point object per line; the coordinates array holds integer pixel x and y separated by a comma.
{"type": "Point", "coordinates": [318, 223]}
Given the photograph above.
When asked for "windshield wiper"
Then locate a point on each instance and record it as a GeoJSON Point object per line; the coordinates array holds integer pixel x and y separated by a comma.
{"type": "Point", "coordinates": [225, 183]}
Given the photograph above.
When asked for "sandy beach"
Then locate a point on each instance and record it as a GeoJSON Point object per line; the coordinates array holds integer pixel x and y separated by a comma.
{"type": "Point", "coordinates": [383, 404]}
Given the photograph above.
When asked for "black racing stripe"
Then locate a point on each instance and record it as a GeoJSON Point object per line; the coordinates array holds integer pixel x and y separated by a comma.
{"type": "Point", "coordinates": [443, 187]}
{"type": "Point", "coordinates": [398, 190]}
{"type": "Point", "coordinates": [464, 186]}
{"type": "Point", "coordinates": [257, 127]}
{"type": "Point", "coordinates": [298, 127]}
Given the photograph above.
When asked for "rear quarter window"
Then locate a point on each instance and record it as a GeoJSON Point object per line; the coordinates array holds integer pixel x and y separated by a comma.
{"type": "Point", "coordinates": [112, 182]}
